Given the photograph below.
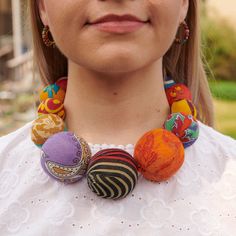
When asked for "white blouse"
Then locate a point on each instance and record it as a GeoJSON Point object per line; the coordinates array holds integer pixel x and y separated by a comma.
{"type": "Point", "coordinates": [200, 199]}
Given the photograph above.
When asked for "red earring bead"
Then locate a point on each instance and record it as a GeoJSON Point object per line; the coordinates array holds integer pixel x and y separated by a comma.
{"type": "Point", "coordinates": [186, 34]}
{"type": "Point", "coordinates": [45, 37]}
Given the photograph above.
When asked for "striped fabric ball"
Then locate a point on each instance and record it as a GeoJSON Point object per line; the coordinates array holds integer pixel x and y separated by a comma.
{"type": "Point", "coordinates": [112, 173]}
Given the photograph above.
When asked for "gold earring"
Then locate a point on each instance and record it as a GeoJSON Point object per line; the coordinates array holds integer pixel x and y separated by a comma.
{"type": "Point", "coordinates": [45, 37]}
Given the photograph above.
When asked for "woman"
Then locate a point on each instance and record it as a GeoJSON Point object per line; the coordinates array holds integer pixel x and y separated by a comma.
{"type": "Point", "coordinates": [115, 94]}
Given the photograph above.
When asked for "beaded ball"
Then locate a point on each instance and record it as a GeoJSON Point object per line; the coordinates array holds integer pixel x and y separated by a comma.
{"type": "Point", "coordinates": [45, 126]}
{"type": "Point", "coordinates": [65, 157]}
{"type": "Point", "coordinates": [52, 91]}
{"type": "Point", "coordinates": [62, 83]}
{"type": "Point", "coordinates": [52, 106]}
{"type": "Point", "coordinates": [159, 154]}
{"type": "Point", "coordinates": [184, 106]}
{"type": "Point", "coordinates": [183, 126]}
{"type": "Point", "coordinates": [177, 92]}
{"type": "Point", "coordinates": [112, 173]}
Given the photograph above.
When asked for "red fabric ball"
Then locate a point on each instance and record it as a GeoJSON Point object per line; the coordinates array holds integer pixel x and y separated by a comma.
{"type": "Point", "coordinates": [178, 92]}
{"type": "Point", "coordinates": [52, 106]}
{"type": "Point", "coordinates": [62, 83]}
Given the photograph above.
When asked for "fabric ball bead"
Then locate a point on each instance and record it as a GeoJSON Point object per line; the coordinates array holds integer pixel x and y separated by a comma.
{"type": "Point", "coordinates": [44, 127]}
{"type": "Point", "coordinates": [52, 106]}
{"type": "Point", "coordinates": [112, 173]}
{"type": "Point", "coordinates": [65, 157]}
{"type": "Point", "coordinates": [185, 127]}
{"type": "Point", "coordinates": [184, 106]}
{"type": "Point", "coordinates": [62, 83]}
{"type": "Point", "coordinates": [178, 92]}
{"type": "Point", "coordinates": [159, 154]}
{"type": "Point", "coordinates": [52, 91]}
{"type": "Point", "coordinates": [169, 83]}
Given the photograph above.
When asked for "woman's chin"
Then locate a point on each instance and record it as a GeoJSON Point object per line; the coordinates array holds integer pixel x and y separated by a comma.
{"type": "Point", "coordinates": [114, 66]}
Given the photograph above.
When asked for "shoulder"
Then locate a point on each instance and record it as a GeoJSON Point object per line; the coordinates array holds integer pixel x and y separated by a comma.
{"type": "Point", "coordinates": [213, 143]}
{"type": "Point", "coordinates": [211, 136]}
{"type": "Point", "coordinates": [16, 135]}
{"type": "Point", "coordinates": [16, 142]}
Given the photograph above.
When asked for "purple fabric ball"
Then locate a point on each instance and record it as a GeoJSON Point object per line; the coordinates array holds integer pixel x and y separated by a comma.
{"type": "Point", "coordinates": [65, 157]}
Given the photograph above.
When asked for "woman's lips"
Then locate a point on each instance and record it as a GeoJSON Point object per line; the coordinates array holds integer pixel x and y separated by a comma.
{"type": "Point", "coordinates": [119, 26]}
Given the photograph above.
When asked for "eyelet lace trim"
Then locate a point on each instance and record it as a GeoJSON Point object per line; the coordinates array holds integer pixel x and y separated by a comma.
{"type": "Point", "coordinates": [105, 145]}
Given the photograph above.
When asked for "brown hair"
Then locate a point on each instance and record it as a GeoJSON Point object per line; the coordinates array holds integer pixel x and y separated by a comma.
{"type": "Point", "coordinates": [183, 63]}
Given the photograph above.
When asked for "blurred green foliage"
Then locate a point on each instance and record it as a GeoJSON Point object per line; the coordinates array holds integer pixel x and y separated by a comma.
{"type": "Point", "coordinates": [219, 47]}
{"type": "Point", "coordinates": [219, 53]}
{"type": "Point", "coordinates": [225, 117]}
{"type": "Point", "coordinates": [225, 90]}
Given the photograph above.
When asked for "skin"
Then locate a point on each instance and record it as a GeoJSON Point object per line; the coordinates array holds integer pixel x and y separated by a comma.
{"type": "Point", "coordinates": [115, 90]}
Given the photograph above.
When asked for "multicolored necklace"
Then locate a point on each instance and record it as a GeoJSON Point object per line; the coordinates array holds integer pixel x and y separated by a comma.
{"type": "Point", "coordinates": [113, 173]}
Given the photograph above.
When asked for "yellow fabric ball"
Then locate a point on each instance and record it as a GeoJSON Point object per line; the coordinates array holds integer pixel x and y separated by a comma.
{"type": "Point", "coordinates": [45, 126]}
{"type": "Point", "coordinates": [184, 106]}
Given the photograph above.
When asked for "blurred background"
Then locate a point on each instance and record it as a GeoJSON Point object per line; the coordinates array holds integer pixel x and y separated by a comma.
{"type": "Point", "coordinates": [18, 86]}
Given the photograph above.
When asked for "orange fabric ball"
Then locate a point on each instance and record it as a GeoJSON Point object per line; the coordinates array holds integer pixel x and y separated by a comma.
{"type": "Point", "coordinates": [52, 91]}
{"type": "Point", "coordinates": [159, 154]}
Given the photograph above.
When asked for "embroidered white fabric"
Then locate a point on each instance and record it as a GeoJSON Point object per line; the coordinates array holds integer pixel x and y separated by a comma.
{"type": "Point", "coordinates": [200, 199]}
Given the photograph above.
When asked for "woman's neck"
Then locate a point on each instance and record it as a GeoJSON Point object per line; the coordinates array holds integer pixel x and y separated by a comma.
{"type": "Point", "coordinates": [116, 109]}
